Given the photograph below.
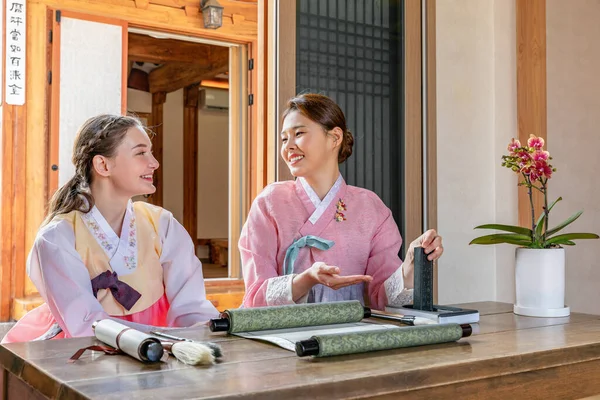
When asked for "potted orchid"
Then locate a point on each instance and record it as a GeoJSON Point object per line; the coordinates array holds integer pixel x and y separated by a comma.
{"type": "Point", "coordinates": [540, 258]}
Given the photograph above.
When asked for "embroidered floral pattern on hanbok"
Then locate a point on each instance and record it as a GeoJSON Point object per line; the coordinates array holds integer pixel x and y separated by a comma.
{"type": "Point", "coordinates": [341, 206]}
{"type": "Point", "coordinates": [101, 238]}
{"type": "Point", "coordinates": [339, 215]}
{"type": "Point", "coordinates": [125, 246]}
{"type": "Point", "coordinates": [130, 258]}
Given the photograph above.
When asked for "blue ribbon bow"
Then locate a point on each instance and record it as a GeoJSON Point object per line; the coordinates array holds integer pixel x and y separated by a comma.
{"type": "Point", "coordinates": [292, 252]}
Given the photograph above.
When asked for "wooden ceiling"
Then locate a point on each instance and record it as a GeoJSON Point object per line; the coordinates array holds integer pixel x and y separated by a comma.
{"type": "Point", "coordinates": [184, 63]}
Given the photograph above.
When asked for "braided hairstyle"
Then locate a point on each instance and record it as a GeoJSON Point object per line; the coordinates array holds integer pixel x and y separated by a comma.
{"type": "Point", "coordinates": [100, 135]}
{"type": "Point", "coordinates": [324, 111]}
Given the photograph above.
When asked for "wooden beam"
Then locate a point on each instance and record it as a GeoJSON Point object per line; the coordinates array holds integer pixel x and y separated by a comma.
{"type": "Point", "coordinates": [143, 4]}
{"type": "Point", "coordinates": [171, 77]}
{"type": "Point", "coordinates": [148, 49]}
{"type": "Point", "coordinates": [531, 87]}
{"type": "Point", "coordinates": [190, 159]}
{"type": "Point", "coordinates": [168, 19]}
{"type": "Point", "coordinates": [231, 8]}
{"type": "Point", "coordinates": [158, 100]}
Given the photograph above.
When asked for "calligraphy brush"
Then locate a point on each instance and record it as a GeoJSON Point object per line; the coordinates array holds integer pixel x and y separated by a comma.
{"type": "Point", "coordinates": [189, 351]}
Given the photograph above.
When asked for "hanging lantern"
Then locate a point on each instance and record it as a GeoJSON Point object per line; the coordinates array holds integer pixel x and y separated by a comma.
{"type": "Point", "coordinates": [212, 12]}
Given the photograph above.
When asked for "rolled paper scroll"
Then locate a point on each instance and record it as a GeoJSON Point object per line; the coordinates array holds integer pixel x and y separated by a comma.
{"type": "Point", "coordinates": [288, 316]}
{"type": "Point", "coordinates": [130, 341]}
{"type": "Point", "coordinates": [301, 315]}
{"type": "Point", "coordinates": [362, 342]}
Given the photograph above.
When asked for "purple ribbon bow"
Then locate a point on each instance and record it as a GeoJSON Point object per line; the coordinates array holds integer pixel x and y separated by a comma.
{"type": "Point", "coordinates": [122, 292]}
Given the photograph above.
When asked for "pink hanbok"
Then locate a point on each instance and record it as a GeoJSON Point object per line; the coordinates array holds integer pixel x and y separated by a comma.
{"type": "Point", "coordinates": [289, 228]}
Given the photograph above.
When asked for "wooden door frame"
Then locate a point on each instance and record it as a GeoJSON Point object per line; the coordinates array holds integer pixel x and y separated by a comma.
{"type": "Point", "coordinates": [241, 186]}
{"type": "Point", "coordinates": [55, 83]}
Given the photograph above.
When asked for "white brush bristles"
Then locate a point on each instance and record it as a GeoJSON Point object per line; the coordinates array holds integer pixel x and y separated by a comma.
{"type": "Point", "coordinates": [193, 353]}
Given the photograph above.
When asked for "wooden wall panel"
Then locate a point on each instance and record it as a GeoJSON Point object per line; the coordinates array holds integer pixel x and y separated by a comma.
{"type": "Point", "coordinates": [531, 87]}
{"type": "Point", "coordinates": [286, 74]}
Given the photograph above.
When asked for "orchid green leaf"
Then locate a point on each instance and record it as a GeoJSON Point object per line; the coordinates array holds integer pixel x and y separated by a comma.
{"type": "Point", "coordinates": [509, 228]}
{"type": "Point", "coordinates": [497, 238]}
{"type": "Point", "coordinates": [569, 237]}
{"type": "Point", "coordinates": [563, 224]}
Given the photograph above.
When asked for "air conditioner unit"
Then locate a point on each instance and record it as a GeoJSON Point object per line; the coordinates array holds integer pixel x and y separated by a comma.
{"type": "Point", "coordinates": [213, 99]}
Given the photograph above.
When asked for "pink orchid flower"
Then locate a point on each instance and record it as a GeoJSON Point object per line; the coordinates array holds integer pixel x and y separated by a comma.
{"type": "Point", "coordinates": [536, 142]}
{"type": "Point", "coordinates": [513, 145]}
{"type": "Point", "coordinates": [541, 155]}
{"type": "Point", "coordinates": [524, 156]}
{"type": "Point", "coordinates": [543, 169]}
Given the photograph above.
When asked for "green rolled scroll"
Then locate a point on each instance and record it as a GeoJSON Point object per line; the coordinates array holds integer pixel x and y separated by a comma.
{"type": "Point", "coordinates": [384, 339]}
{"type": "Point", "coordinates": [288, 316]}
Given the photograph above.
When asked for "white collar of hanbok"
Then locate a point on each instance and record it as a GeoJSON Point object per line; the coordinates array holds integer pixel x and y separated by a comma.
{"type": "Point", "coordinates": [320, 205]}
{"type": "Point", "coordinates": [121, 251]}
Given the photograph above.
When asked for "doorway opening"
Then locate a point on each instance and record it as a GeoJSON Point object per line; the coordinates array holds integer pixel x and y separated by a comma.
{"type": "Point", "coordinates": [180, 89]}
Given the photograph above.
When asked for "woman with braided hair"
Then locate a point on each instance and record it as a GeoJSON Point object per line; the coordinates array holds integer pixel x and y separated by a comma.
{"type": "Point", "coordinates": [99, 255]}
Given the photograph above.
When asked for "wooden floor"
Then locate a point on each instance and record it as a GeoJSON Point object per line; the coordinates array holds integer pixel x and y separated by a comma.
{"type": "Point", "coordinates": [212, 271]}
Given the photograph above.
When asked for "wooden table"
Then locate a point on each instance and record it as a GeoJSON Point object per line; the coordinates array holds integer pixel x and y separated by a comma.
{"type": "Point", "coordinates": [509, 357]}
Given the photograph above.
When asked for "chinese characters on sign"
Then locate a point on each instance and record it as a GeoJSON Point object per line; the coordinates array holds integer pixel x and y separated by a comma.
{"type": "Point", "coordinates": [15, 52]}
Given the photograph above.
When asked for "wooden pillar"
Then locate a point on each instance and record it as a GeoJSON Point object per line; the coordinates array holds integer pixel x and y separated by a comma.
{"type": "Point", "coordinates": [531, 87]}
{"type": "Point", "coordinates": [413, 127]}
{"type": "Point", "coordinates": [6, 204]}
{"type": "Point", "coordinates": [12, 222]}
{"type": "Point", "coordinates": [190, 159]}
{"type": "Point", "coordinates": [158, 100]}
{"type": "Point", "coordinates": [431, 122]}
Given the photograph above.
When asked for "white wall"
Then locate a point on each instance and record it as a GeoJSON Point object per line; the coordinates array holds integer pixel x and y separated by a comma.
{"type": "Point", "coordinates": [139, 101]}
{"type": "Point", "coordinates": [476, 103]}
{"type": "Point", "coordinates": [573, 64]}
{"type": "Point", "coordinates": [505, 128]}
{"type": "Point", "coordinates": [213, 174]}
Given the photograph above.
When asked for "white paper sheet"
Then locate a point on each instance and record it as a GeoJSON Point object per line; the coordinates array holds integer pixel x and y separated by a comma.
{"type": "Point", "coordinates": [287, 338]}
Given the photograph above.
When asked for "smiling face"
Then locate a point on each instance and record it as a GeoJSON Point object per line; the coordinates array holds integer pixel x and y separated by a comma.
{"type": "Point", "coordinates": [131, 169]}
{"type": "Point", "coordinates": [306, 147]}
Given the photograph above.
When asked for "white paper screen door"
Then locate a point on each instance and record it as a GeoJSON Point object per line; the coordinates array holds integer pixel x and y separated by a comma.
{"type": "Point", "coordinates": [89, 67]}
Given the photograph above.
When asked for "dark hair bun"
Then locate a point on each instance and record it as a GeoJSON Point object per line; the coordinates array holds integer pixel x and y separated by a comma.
{"type": "Point", "coordinates": [346, 147]}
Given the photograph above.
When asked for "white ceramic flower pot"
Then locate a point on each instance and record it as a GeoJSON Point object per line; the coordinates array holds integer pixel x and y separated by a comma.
{"type": "Point", "coordinates": [540, 283]}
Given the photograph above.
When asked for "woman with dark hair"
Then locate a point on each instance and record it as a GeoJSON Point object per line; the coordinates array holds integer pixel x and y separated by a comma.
{"type": "Point", "coordinates": [99, 255]}
{"type": "Point", "coordinates": [318, 239]}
